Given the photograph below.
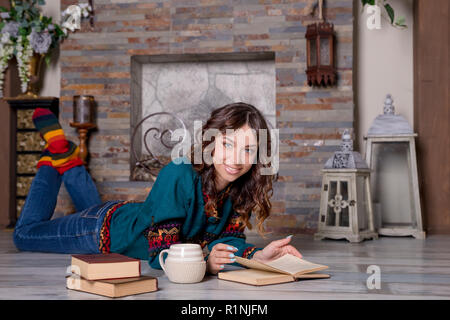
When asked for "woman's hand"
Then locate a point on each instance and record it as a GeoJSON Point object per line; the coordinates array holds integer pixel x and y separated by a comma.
{"type": "Point", "coordinates": [220, 254]}
{"type": "Point", "coordinates": [276, 249]}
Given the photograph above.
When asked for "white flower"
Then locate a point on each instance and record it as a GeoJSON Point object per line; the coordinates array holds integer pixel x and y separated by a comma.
{"type": "Point", "coordinates": [85, 6]}
{"type": "Point", "coordinates": [5, 37]}
{"type": "Point", "coordinates": [6, 51]}
{"type": "Point", "coordinates": [23, 55]}
{"type": "Point", "coordinates": [67, 25]}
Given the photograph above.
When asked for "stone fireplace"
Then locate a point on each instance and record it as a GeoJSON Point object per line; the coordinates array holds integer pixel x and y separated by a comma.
{"type": "Point", "coordinates": [146, 56]}
{"type": "Point", "coordinates": [190, 86]}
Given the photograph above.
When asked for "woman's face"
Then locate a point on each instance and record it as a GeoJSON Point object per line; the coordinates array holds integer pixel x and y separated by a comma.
{"type": "Point", "coordinates": [235, 153]}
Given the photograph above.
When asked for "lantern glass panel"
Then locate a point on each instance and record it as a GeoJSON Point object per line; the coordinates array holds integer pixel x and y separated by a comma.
{"type": "Point", "coordinates": [331, 215]}
{"type": "Point", "coordinates": [344, 218]}
{"type": "Point", "coordinates": [312, 52]}
{"type": "Point", "coordinates": [361, 203]}
{"type": "Point", "coordinates": [324, 51]}
{"type": "Point", "coordinates": [391, 184]}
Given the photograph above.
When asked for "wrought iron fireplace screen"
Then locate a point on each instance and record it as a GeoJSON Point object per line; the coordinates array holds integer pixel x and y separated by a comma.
{"type": "Point", "coordinates": [151, 162]}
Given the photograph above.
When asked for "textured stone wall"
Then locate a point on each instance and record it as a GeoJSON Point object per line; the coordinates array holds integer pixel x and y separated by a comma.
{"type": "Point", "coordinates": [97, 62]}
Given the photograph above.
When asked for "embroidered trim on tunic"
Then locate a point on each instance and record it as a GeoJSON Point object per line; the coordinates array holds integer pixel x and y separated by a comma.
{"type": "Point", "coordinates": [105, 237]}
{"type": "Point", "coordinates": [219, 200]}
{"type": "Point", "coordinates": [248, 252]}
{"type": "Point", "coordinates": [234, 228]}
{"type": "Point", "coordinates": [162, 235]}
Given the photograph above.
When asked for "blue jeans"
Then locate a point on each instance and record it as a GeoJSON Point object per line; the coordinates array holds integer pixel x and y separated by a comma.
{"type": "Point", "coordinates": [74, 233]}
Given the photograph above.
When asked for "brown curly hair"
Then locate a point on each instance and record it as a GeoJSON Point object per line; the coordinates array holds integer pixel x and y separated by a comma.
{"type": "Point", "coordinates": [252, 191]}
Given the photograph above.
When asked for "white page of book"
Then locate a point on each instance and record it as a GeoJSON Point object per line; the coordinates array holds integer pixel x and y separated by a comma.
{"type": "Point", "coordinates": [287, 264]}
{"type": "Point", "coordinates": [294, 265]}
{"type": "Point", "coordinates": [253, 264]}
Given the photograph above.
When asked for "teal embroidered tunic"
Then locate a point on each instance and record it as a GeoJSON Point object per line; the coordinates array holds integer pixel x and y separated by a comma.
{"type": "Point", "coordinates": [173, 212]}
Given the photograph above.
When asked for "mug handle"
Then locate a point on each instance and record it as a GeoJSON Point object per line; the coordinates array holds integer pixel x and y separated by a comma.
{"type": "Point", "coordinates": [161, 260]}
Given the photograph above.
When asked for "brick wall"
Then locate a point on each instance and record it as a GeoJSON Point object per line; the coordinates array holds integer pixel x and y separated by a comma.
{"type": "Point", "coordinates": [97, 62]}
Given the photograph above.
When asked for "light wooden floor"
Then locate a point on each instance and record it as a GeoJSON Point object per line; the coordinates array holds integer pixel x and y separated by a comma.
{"type": "Point", "coordinates": [410, 269]}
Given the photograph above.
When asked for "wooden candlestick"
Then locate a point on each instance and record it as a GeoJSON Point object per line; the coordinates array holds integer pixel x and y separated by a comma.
{"type": "Point", "coordinates": [83, 129]}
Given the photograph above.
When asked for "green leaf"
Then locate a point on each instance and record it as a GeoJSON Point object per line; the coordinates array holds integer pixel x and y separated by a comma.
{"type": "Point", "coordinates": [369, 2]}
{"type": "Point", "coordinates": [390, 12]}
{"type": "Point", "coordinates": [34, 13]}
{"type": "Point", "coordinates": [401, 25]}
{"type": "Point", "coordinates": [19, 10]}
{"type": "Point", "coordinates": [23, 32]}
{"type": "Point", "coordinates": [400, 21]}
{"type": "Point", "coordinates": [59, 31]}
{"type": "Point", "coordinates": [47, 59]}
{"type": "Point", "coordinates": [3, 9]}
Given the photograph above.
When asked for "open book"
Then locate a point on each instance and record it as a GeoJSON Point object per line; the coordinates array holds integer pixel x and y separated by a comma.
{"type": "Point", "coordinates": [287, 268]}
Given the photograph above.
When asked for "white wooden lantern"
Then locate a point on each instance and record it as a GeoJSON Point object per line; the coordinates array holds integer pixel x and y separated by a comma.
{"type": "Point", "coordinates": [345, 206]}
{"type": "Point", "coordinates": [391, 155]}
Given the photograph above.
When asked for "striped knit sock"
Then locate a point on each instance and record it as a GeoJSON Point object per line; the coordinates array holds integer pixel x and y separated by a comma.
{"type": "Point", "coordinates": [60, 153]}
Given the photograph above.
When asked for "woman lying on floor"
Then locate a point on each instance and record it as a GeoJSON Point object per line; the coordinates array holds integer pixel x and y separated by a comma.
{"type": "Point", "coordinates": [209, 204]}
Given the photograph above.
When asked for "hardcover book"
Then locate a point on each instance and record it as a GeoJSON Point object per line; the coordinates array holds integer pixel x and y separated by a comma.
{"type": "Point", "coordinates": [287, 268]}
{"type": "Point", "coordinates": [113, 288]}
{"type": "Point", "coordinates": [105, 266]}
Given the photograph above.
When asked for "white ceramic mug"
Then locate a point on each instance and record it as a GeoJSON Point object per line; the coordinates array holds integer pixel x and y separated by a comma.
{"type": "Point", "coordinates": [184, 263]}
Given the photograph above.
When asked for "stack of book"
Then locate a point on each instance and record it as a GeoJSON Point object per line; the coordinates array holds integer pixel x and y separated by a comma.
{"type": "Point", "coordinates": [112, 275]}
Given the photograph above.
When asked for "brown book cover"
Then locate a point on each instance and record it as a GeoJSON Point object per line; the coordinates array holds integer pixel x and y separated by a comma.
{"type": "Point", "coordinates": [105, 266]}
{"type": "Point", "coordinates": [287, 268]}
{"type": "Point", "coordinates": [103, 258]}
{"type": "Point", "coordinates": [113, 288]}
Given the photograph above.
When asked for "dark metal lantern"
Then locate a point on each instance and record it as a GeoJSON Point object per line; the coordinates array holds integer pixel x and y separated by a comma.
{"type": "Point", "coordinates": [83, 109]}
{"type": "Point", "coordinates": [320, 54]}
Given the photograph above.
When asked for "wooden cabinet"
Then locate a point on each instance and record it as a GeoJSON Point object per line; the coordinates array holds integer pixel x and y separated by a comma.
{"type": "Point", "coordinates": [432, 111]}
{"type": "Point", "coordinates": [26, 148]}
